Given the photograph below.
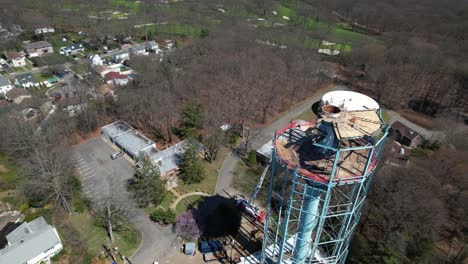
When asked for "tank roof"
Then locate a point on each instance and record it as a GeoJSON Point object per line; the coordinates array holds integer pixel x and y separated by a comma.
{"type": "Point", "coordinates": [350, 101]}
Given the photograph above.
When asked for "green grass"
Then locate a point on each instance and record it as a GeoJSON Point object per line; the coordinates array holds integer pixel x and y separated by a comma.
{"type": "Point", "coordinates": [126, 5]}
{"type": "Point", "coordinates": [386, 117]}
{"type": "Point", "coordinates": [307, 115]}
{"type": "Point", "coordinates": [50, 59]}
{"type": "Point", "coordinates": [245, 178]}
{"type": "Point", "coordinates": [166, 203]}
{"type": "Point", "coordinates": [9, 179]}
{"type": "Point", "coordinates": [57, 42]}
{"type": "Point", "coordinates": [41, 77]}
{"type": "Point", "coordinates": [188, 203]}
{"type": "Point", "coordinates": [208, 185]}
{"type": "Point", "coordinates": [94, 237]}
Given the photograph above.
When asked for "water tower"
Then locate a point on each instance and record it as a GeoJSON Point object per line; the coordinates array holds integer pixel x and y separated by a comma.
{"type": "Point", "coordinates": [321, 173]}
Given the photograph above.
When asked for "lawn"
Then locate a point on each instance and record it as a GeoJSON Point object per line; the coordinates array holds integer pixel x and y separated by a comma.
{"type": "Point", "coordinates": [94, 237]}
{"type": "Point", "coordinates": [41, 77]}
{"type": "Point", "coordinates": [8, 173]}
{"type": "Point", "coordinates": [188, 203]}
{"type": "Point", "coordinates": [307, 115]}
{"type": "Point", "coordinates": [208, 185]}
{"type": "Point", "coordinates": [166, 203]}
{"type": "Point", "coordinates": [126, 5]}
{"type": "Point", "coordinates": [50, 59]}
{"type": "Point", "coordinates": [57, 42]}
{"type": "Point", "coordinates": [385, 116]}
{"type": "Point", "coordinates": [246, 178]}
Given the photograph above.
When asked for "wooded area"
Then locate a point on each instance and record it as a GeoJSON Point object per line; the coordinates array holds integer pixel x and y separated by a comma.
{"type": "Point", "coordinates": [405, 54]}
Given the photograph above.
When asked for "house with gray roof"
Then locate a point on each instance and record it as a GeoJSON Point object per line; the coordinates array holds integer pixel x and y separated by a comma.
{"type": "Point", "coordinates": [38, 48]}
{"type": "Point", "coordinates": [5, 85]}
{"type": "Point", "coordinates": [138, 50]}
{"type": "Point", "coordinates": [31, 243]}
{"type": "Point", "coordinates": [26, 80]}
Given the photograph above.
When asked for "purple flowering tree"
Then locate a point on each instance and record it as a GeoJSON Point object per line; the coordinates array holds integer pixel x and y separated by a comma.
{"type": "Point", "coordinates": [187, 227]}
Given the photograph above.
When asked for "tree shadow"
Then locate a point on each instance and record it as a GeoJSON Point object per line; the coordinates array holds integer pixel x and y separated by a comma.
{"type": "Point", "coordinates": [218, 217]}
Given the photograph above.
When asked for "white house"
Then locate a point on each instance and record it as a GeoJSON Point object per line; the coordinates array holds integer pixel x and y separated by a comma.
{"type": "Point", "coordinates": [96, 60]}
{"type": "Point", "coordinates": [16, 59]}
{"type": "Point", "coordinates": [116, 79]}
{"type": "Point", "coordinates": [5, 85]}
{"type": "Point", "coordinates": [120, 57]}
{"type": "Point", "coordinates": [38, 31]}
{"type": "Point", "coordinates": [72, 49]}
{"type": "Point", "coordinates": [138, 50]}
{"type": "Point", "coordinates": [31, 243]}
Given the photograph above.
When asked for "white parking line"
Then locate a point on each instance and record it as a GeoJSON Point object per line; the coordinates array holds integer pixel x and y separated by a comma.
{"type": "Point", "coordinates": [80, 163]}
{"type": "Point", "coordinates": [89, 177]}
{"type": "Point", "coordinates": [87, 173]}
{"type": "Point", "coordinates": [87, 169]}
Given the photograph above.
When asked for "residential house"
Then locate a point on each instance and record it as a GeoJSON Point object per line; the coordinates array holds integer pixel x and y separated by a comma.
{"type": "Point", "coordinates": [405, 135]}
{"type": "Point", "coordinates": [16, 59]}
{"type": "Point", "coordinates": [72, 49]}
{"type": "Point", "coordinates": [26, 80]}
{"type": "Point", "coordinates": [5, 85]}
{"type": "Point", "coordinates": [125, 47]}
{"type": "Point", "coordinates": [152, 45]}
{"type": "Point", "coordinates": [102, 70]}
{"type": "Point", "coordinates": [72, 105]}
{"type": "Point", "coordinates": [89, 43]}
{"type": "Point", "coordinates": [31, 243]}
{"type": "Point", "coordinates": [120, 57]}
{"type": "Point", "coordinates": [105, 90]}
{"type": "Point", "coordinates": [138, 50]}
{"type": "Point", "coordinates": [39, 48]}
{"type": "Point", "coordinates": [95, 60]}
{"type": "Point", "coordinates": [44, 30]}
{"type": "Point", "coordinates": [116, 78]}
{"type": "Point", "coordinates": [17, 95]}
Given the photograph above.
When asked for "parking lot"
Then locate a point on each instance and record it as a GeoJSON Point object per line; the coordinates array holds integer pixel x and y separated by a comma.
{"type": "Point", "coordinates": [97, 170]}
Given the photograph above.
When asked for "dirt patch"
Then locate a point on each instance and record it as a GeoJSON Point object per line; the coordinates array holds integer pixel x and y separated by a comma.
{"type": "Point", "coordinates": [80, 139]}
{"type": "Point", "coordinates": [3, 169]}
{"type": "Point", "coordinates": [419, 119]}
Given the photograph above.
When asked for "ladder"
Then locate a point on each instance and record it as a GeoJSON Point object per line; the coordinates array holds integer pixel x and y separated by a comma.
{"type": "Point", "coordinates": [259, 186]}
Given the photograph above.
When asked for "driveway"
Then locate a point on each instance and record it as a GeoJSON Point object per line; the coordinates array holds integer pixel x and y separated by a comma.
{"type": "Point", "coordinates": [226, 174]}
{"type": "Point", "coordinates": [97, 171]}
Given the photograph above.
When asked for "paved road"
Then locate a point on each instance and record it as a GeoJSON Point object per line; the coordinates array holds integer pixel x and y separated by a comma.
{"type": "Point", "coordinates": [98, 171]}
{"type": "Point", "coordinates": [226, 174]}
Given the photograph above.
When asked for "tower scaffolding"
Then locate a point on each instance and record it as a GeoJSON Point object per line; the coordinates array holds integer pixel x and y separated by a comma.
{"type": "Point", "coordinates": [320, 177]}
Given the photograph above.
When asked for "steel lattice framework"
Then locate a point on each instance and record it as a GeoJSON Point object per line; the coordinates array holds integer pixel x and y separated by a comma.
{"type": "Point", "coordinates": [311, 221]}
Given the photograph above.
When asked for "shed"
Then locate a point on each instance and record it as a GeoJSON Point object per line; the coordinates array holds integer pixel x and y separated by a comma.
{"type": "Point", "coordinates": [405, 135]}
{"type": "Point", "coordinates": [189, 248]}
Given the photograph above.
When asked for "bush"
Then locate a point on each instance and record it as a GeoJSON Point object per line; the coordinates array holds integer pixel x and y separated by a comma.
{"type": "Point", "coordinates": [23, 207]}
{"type": "Point", "coordinates": [252, 158]}
{"type": "Point", "coordinates": [81, 203]}
{"type": "Point", "coordinates": [163, 216]}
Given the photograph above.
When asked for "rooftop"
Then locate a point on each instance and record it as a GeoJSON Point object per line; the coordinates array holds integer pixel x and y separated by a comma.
{"type": "Point", "coordinates": [404, 130]}
{"type": "Point", "coordinates": [349, 101]}
{"type": "Point", "coordinates": [38, 45]}
{"type": "Point", "coordinates": [4, 81]}
{"type": "Point", "coordinates": [168, 159]}
{"type": "Point", "coordinates": [12, 55]}
{"type": "Point", "coordinates": [133, 141]}
{"type": "Point", "coordinates": [29, 240]}
{"type": "Point", "coordinates": [117, 128]}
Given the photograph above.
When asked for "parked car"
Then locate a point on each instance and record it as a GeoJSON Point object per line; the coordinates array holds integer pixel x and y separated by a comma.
{"type": "Point", "coordinates": [116, 155]}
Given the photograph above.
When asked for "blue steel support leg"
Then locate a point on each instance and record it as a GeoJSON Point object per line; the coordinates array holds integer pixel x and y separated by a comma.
{"type": "Point", "coordinates": [307, 223]}
{"type": "Point", "coordinates": [284, 231]}
{"type": "Point", "coordinates": [268, 207]}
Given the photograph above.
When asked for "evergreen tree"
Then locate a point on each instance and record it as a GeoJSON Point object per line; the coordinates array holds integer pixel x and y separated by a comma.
{"type": "Point", "coordinates": [147, 186]}
{"type": "Point", "coordinates": [191, 168]}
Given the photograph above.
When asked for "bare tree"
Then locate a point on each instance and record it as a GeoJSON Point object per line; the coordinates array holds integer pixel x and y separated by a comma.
{"type": "Point", "coordinates": [113, 211]}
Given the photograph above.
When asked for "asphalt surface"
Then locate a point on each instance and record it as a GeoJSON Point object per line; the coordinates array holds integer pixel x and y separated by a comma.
{"type": "Point", "coordinates": [98, 173]}
{"type": "Point", "coordinates": [226, 174]}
